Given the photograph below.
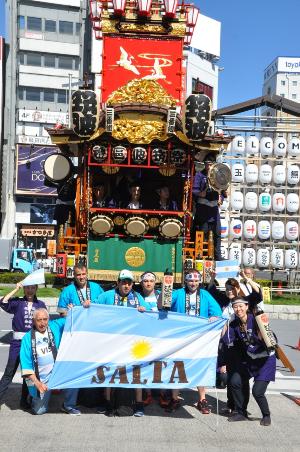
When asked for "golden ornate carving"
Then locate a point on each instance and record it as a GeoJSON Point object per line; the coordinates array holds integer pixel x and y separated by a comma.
{"type": "Point", "coordinates": [109, 26]}
{"type": "Point", "coordinates": [135, 256]}
{"type": "Point", "coordinates": [178, 29]}
{"type": "Point", "coordinates": [168, 170]}
{"type": "Point", "coordinates": [141, 28]}
{"type": "Point", "coordinates": [142, 91]}
{"type": "Point", "coordinates": [139, 131]}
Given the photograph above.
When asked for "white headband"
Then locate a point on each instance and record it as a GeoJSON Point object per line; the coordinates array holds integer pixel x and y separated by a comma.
{"type": "Point", "coordinates": [148, 275]}
{"type": "Point", "coordinates": [193, 276]}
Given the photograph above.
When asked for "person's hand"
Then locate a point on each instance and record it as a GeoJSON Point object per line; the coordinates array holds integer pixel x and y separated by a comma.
{"type": "Point", "coordinates": [19, 285]}
{"type": "Point", "coordinates": [70, 306]}
{"type": "Point", "coordinates": [41, 387]}
{"type": "Point", "coordinates": [212, 274]}
{"type": "Point", "coordinates": [141, 309]}
{"type": "Point", "coordinates": [223, 370]}
{"type": "Point", "coordinates": [213, 319]}
{"type": "Point", "coordinates": [86, 303]}
{"type": "Point", "coordinates": [202, 194]}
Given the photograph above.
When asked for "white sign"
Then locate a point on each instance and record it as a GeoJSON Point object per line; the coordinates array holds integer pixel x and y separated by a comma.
{"type": "Point", "coordinates": [51, 117]}
{"type": "Point", "coordinates": [25, 139]}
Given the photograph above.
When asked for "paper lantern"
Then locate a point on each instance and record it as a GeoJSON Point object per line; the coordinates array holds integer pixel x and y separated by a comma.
{"type": "Point", "coordinates": [293, 174]}
{"type": "Point", "coordinates": [279, 174]}
{"type": "Point", "coordinates": [292, 230]}
{"type": "Point", "coordinates": [144, 7]}
{"type": "Point", "coordinates": [277, 230]}
{"type": "Point", "coordinates": [278, 202]}
{"type": "Point", "coordinates": [263, 258]}
{"type": "Point", "coordinates": [264, 202]}
{"type": "Point", "coordinates": [249, 257]}
{"type": "Point", "coordinates": [236, 228]}
{"type": "Point", "coordinates": [249, 229]}
{"type": "Point", "coordinates": [235, 253]}
{"type": "Point", "coordinates": [170, 7]}
{"type": "Point", "coordinates": [99, 153]}
{"type": "Point", "coordinates": [252, 145]}
{"type": "Point", "coordinates": [294, 147]}
{"type": "Point", "coordinates": [119, 154]}
{"type": "Point", "coordinates": [251, 200]}
{"type": "Point", "coordinates": [266, 146]}
{"type": "Point", "coordinates": [265, 173]}
{"type": "Point", "coordinates": [224, 228]}
{"type": "Point", "coordinates": [237, 200]}
{"type": "Point", "coordinates": [197, 116]}
{"type": "Point", "coordinates": [280, 147]}
{"type": "Point", "coordinates": [238, 145]}
{"type": "Point", "coordinates": [178, 156]}
{"type": "Point", "coordinates": [224, 252]}
{"type": "Point", "coordinates": [158, 156]}
{"type": "Point", "coordinates": [277, 258]}
{"type": "Point", "coordinates": [292, 202]}
{"type": "Point", "coordinates": [291, 258]}
{"type": "Point", "coordinates": [238, 172]}
{"type": "Point", "coordinates": [251, 174]}
{"type": "Point", "coordinates": [139, 155]}
{"type": "Point", "coordinates": [85, 112]}
{"type": "Point", "coordinates": [264, 229]}
{"type": "Point", "coordinates": [119, 7]}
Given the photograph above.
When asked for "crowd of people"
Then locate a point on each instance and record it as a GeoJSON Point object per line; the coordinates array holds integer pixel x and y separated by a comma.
{"type": "Point", "coordinates": [242, 352]}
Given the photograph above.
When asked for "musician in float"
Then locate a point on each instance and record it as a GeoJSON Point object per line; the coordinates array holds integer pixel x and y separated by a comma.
{"type": "Point", "coordinates": [80, 292]}
{"type": "Point", "coordinates": [135, 191]}
{"type": "Point", "coordinates": [208, 200]}
{"type": "Point", "coordinates": [249, 358]}
{"type": "Point", "coordinates": [165, 202]}
{"type": "Point", "coordinates": [100, 199]}
{"type": "Point", "coordinates": [193, 300]}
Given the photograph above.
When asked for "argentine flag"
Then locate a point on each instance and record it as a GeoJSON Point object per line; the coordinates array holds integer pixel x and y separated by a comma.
{"type": "Point", "coordinates": [226, 269]}
{"type": "Point", "coordinates": [114, 346]}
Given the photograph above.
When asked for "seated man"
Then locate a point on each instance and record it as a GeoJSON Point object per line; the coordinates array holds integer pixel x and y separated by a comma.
{"type": "Point", "coordinates": [79, 292]}
{"type": "Point", "coordinates": [192, 300]}
{"type": "Point", "coordinates": [135, 196]}
{"type": "Point", "coordinates": [38, 353]}
{"type": "Point", "coordinates": [100, 199]}
{"type": "Point", "coordinates": [165, 202]}
{"type": "Point", "coordinates": [124, 295]}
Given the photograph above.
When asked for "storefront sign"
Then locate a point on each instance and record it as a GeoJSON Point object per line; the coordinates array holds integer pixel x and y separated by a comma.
{"type": "Point", "coordinates": [51, 117]}
{"type": "Point", "coordinates": [37, 231]}
{"type": "Point", "coordinates": [29, 139]}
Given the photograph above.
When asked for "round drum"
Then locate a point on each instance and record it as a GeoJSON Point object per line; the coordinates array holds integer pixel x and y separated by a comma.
{"type": "Point", "coordinates": [57, 168]}
{"type": "Point", "coordinates": [101, 224]}
{"type": "Point", "coordinates": [170, 228]}
{"type": "Point", "coordinates": [136, 226]}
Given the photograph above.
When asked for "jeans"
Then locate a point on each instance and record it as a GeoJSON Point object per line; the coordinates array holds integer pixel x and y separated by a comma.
{"type": "Point", "coordinates": [9, 373]}
{"type": "Point", "coordinates": [40, 404]}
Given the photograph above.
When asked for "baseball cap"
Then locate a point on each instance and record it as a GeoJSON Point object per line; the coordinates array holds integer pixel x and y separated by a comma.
{"type": "Point", "coordinates": [126, 274]}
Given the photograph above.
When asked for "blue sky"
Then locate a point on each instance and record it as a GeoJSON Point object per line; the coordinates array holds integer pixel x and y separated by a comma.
{"type": "Point", "coordinates": [254, 32]}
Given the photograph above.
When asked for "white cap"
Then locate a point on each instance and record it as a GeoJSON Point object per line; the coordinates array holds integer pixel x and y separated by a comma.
{"type": "Point", "coordinates": [126, 274]}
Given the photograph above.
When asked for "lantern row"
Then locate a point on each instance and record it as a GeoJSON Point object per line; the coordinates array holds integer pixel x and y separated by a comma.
{"type": "Point", "coordinates": [266, 146]}
{"type": "Point", "coordinates": [264, 229]}
{"type": "Point", "coordinates": [251, 174]}
{"type": "Point", "coordinates": [276, 258]}
{"type": "Point", "coordinates": [278, 202]}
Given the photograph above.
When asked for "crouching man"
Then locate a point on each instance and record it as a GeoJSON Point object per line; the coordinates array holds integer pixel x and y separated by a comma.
{"type": "Point", "coordinates": [38, 353]}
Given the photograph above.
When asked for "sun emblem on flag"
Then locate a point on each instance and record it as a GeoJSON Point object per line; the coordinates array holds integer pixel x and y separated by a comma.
{"type": "Point", "coordinates": [140, 349]}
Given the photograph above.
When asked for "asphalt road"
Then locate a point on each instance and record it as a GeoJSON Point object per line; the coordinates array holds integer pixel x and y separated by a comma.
{"type": "Point", "coordinates": [185, 430]}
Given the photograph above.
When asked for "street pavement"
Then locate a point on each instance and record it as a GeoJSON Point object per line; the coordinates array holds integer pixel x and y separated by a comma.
{"type": "Point", "coordinates": [185, 430]}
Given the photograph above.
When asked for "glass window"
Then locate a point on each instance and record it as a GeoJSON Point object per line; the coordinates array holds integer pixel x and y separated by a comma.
{"type": "Point", "coordinates": [294, 83]}
{"type": "Point", "coordinates": [294, 96]}
{"type": "Point", "coordinates": [50, 25]}
{"type": "Point", "coordinates": [77, 28]}
{"type": "Point", "coordinates": [269, 90]}
{"type": "Point", "coordinates": [282, 82]}
{"type": "Point", "coordinates": [65, 62]}
{"type": "Point", "coordinates": [21, 58]}
{"type": "Point", "coordinates": [34, 23]}
{"type": "Point", "coordinates": [76, 63]}
{"type": "Point", "coordinates": [48, 95]}
{"type": "Point", "coordinates": [282, 95]}
{"type": "Point", "coordinates": [21, 22]}
{"type": "Point", "coordinates": [33, 94]}
{"type": "Point", "coordinates": [21, 92]}
{"type": "Point", "coordinates": [66, 27]}
{"type": "Point", "coordinates": [61, 96]}
{"type": "Point", "coordinates": [34, 59]}
{"type": "Point", "coordinates": [49, 60]}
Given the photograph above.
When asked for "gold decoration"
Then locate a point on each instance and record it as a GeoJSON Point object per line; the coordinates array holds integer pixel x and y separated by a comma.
{"type": "Point", "coordinates": [109, 26]}
{"type": "Point", "coordinates": [178, 29]}
{"type": "Point", "coordinates": [119, 220]}
{"type": "Point", "coordinates": [110, 169]}
{"type": "Point", "coordinates": [153, 222]}
{"type": "Point", "coordinates": [135, 256]}
{"type": "Point", "coordinates": [139, 131]}
{"type": "Point", "coordinates": [141, 28]}
{"type": "Point", "coordinates": [168, 170]}
{"type": "Point", "coordinates": [142, 91]}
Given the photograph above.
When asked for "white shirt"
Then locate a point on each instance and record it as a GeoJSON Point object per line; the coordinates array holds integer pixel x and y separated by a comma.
{"type": "Point", "coordinates": [44, 356]}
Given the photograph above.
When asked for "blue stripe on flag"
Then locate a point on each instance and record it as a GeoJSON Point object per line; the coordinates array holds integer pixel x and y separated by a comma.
{"type": "Point", "coordinates": [227, 263]}
{"type": "Point", "coordinates": [226, 275]}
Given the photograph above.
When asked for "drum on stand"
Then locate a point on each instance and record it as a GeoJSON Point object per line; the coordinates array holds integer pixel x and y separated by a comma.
{"type": "Point", "coordinates": [101, 224]}
{"type": "Point", "coordinates": [170, 228]}
{"type": "Point", "coordinates": [57, 168]}
{"type": "Point", "coordinates": [136, 226]}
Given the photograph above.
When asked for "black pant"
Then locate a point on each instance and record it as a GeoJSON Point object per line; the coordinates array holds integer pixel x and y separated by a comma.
{"type": "Point", "coordinates": [239, 385]}
{"type": "Point", "coordinates": [9, 373]}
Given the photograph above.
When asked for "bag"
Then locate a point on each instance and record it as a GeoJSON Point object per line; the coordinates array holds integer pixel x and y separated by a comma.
{"type": "Point", "coordinates": [123, 401]}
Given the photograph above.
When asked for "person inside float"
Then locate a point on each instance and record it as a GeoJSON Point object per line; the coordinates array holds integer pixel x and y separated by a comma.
{"type": "Point", "coordinates": [135, 201]}
{"type": "Point", "coordinates": [165, 201]}
{"type": "Point", "coordinates": [100, 198]}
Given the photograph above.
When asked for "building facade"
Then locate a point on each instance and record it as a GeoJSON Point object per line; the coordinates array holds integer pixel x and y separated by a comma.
{"type": "Point", "coordinates": [46, 59]}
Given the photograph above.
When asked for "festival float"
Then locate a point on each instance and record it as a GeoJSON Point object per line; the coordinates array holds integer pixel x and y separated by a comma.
{"type": "Point", "coordinates": [138, 128]}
